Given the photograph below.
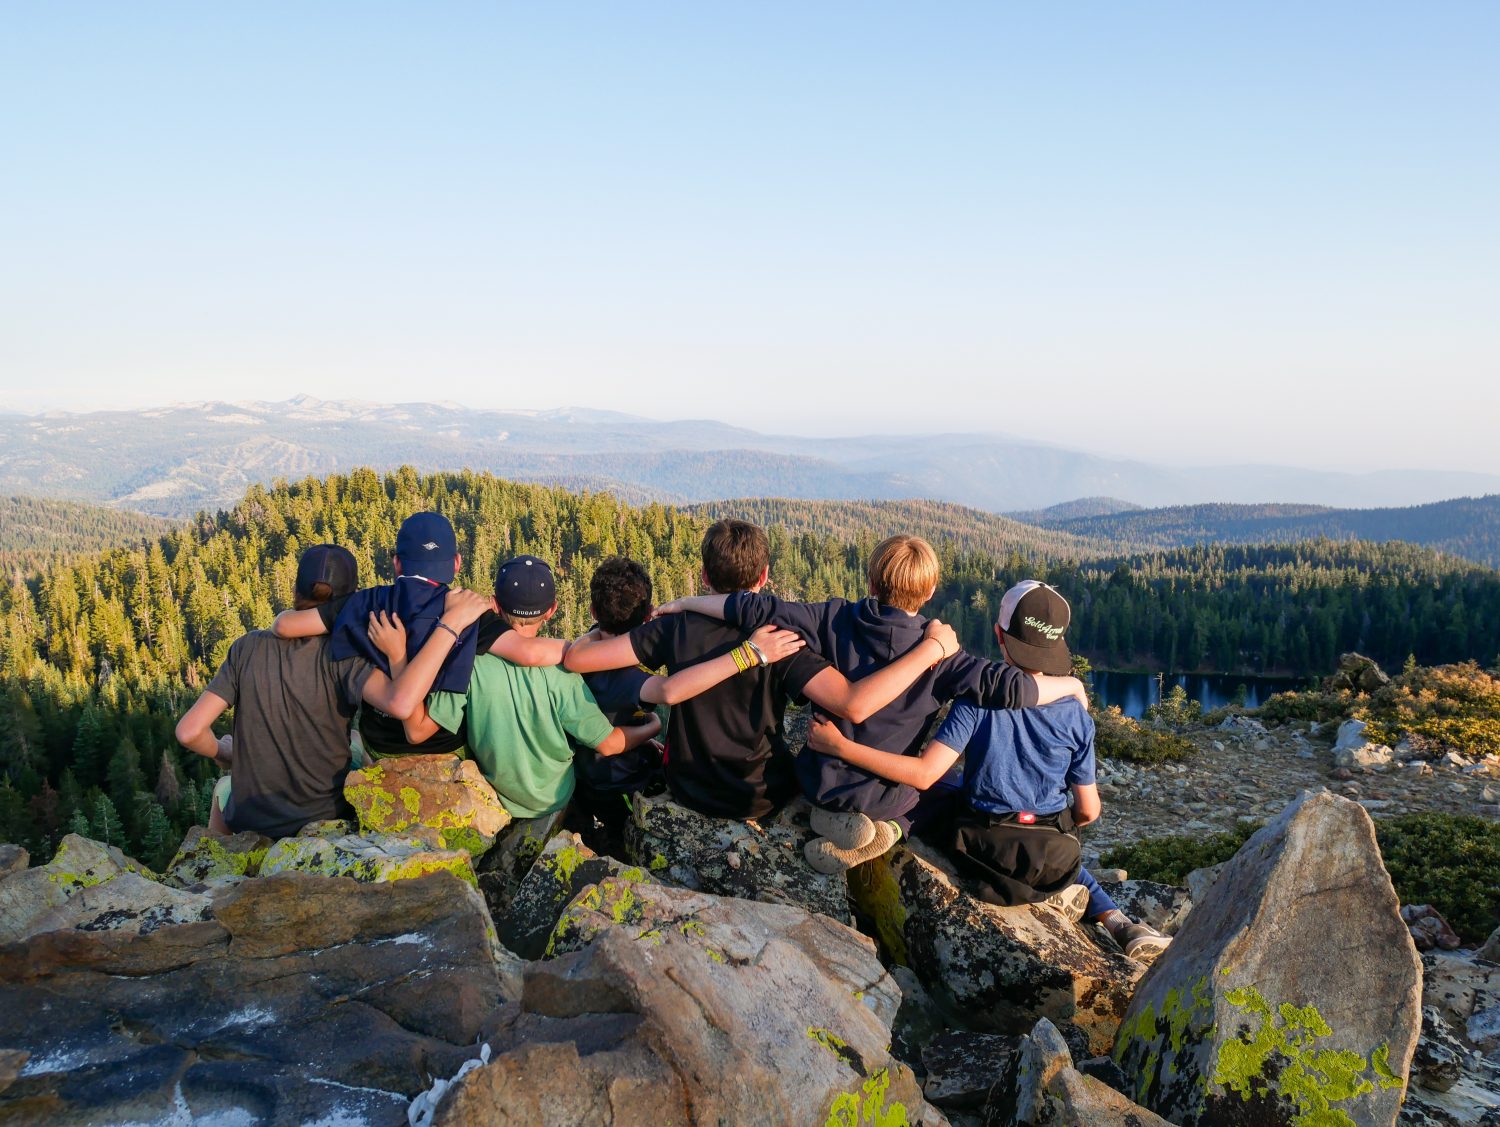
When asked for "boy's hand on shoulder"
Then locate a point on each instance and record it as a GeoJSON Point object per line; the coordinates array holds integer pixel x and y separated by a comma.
{"type": "Point", "coordinates": [462, 608]}
{"type": "Point", "coordinates": [944, 635]}
{"type": "Point", "coordinates": [823, 735]}
{"type": "Point", "coordinates": [673, 606]}
{"type": "Point", "coordinates": [776, 643]}
{"type": "Point", "coordinates": [387, 634]}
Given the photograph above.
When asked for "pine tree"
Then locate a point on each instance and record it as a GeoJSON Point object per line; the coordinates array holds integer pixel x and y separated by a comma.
{"type": "Point", "coordinates": [158, 842]}
{"type": "Point", "coordinates": [104, 824]}
{"type": "Point", "coordinates": [168, 789]}
{"type": "Point", "coordinates": [78, 824]}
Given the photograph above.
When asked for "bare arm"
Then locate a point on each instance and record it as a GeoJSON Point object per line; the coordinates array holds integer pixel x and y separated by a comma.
{"type": "Point", "coordinates": [687, 683]}
{"type": "Point", "coordinates": [518, 649]}
{"type": "Point", "coordinates": [592, 653]}
{"type": "Point", "coordinates": [628, 738]}
{"type": "Point", "coordinates": [710, 605]}
{"type": "Point", "coordinates": [857, 701]}
{"type": "Point", "coordinates": [919, 771]}
{"type": "Point", "coordinates": [1086, 805]}
{"type": "Point", "coordinates": [298, 624]}
{"type": "Point", "coordinates": [419, 726]}
{"type": "Point", "coordinates": [195, 731]}
{"type": "Point", "coordinates": [1050, 689]}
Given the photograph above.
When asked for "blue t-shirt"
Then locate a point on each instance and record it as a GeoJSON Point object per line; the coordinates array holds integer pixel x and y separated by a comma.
{"type": "Point", "coordinates": [1024, 759]}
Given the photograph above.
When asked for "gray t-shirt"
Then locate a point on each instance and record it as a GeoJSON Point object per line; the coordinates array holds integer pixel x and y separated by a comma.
{"type": "Point", "coordinates": [292, 708]}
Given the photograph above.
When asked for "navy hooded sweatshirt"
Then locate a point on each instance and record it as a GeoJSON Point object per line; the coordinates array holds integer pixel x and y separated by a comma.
{"type": "Point", "coordinates": [859, 638]}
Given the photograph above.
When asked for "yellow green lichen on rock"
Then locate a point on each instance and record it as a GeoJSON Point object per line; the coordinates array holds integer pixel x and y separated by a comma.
{"type": "Point", "coordinates": [869, 1106]}
{"type": "Point", "coordinates": [1186, 1018]}
{"type": "Point", "coordinates": [1280, 1058]}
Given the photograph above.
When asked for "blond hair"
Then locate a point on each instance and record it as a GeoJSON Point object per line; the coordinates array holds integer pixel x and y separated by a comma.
{"type": "Point", "coordinates": [903, 571]}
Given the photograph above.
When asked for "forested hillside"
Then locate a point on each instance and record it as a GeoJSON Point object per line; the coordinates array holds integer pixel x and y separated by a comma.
{"type": "Point", "coordinates": [1468, 527]}
{"type": "Point", "coordinates": [34, 530]}
{"type": "Point", "coordinates": [860, 522]}
{"type": "Point", "coordinates": [100, 655]}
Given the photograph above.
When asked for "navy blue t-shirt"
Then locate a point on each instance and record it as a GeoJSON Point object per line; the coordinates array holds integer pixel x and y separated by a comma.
{"type": "Point", "coordinates": [617, 692]}
{"type": "Point", "coordinates": [1018, 760]}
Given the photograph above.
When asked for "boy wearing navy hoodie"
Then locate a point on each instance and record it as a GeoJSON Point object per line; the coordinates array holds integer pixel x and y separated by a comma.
{"type": "Point", "coordinates": [857, 813]}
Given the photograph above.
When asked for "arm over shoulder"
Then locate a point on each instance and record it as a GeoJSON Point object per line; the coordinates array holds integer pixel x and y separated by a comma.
{"type": "Point", "coordinates": [989, 684]}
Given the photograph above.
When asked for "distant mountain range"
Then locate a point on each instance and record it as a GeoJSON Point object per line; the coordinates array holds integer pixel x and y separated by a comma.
{"type": "Point", "coordinates": [174, 460]}
{"type": "Point", "coordinates": [1467, 527]}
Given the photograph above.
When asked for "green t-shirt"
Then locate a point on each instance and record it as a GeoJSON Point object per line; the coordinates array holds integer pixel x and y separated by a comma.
{"type": "Point", "coordinates": [519, 721]}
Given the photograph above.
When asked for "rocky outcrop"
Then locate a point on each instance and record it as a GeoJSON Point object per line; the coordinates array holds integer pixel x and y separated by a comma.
{"type": "Point", "coordinates": [1043, 1089]}
{"type": "Point", "coordinates": [371, 858]}
{"type": "Point", "coordinates": [13, 859]}
{"type": "Point", "coordinates": [304, 999]}
{"type": "Point", "coordinates": [1291, 991]}
{"type": "Point", "coordinates": [214, 860]}
{"type": "Point", "coordinates": [965, 1070]}
{"type": "Point", "coordinates": [1429, 929]}
{"type": "Point", "coordinates": [442, 798]}
{"type": "Point", "coordinates": [1160, 905]}
{"type": "Point", "coordinates": [991, 969]}
{"type": "Point", "coordinates": [128, 903]}
{"type": "Point", "coordinates": [1356, 674]}
{"type": "Point", "coordinates": [29, 895]}
{"type": "Point", "coordinates": [1456, 1071]}
{"type": "Point", "coordinates": [666, 1005]}
{"type": "Point", "coordinates": [750, 860]}
{"type": "Point", "coordinates": [1354, 751]}
{"type": "Point", "coordinates": [1490, 950]}
{"type": "Point", "coordinates": [505, 866]}
{"type": "Point", "coordinates": [564, 869]}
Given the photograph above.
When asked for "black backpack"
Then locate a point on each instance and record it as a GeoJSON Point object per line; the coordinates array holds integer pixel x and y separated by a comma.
{"type": "Point", "coordinates": [1016, 858]}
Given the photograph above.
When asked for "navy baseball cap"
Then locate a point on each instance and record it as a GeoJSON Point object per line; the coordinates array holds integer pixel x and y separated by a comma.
{"type": "Point", "coordinates": [330, 564]}
{"type": "Point", "coordinates": [525, 588]}
{"type": "Point", "coordinates": [426, 546]}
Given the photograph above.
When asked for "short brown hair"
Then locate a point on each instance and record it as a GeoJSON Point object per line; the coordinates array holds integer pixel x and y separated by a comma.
{"type": "Point", "coordinates": [735, 553]}
{"type": "Point", "coordinates": [903, 571]}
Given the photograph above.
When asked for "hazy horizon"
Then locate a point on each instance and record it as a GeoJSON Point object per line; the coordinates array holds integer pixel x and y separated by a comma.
{"type": "Point", "coordinates": [1180, 237]}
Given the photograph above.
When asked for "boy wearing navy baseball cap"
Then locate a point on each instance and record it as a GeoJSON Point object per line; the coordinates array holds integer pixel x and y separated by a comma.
{"type": "Point", "coordinates": [1016, 832]}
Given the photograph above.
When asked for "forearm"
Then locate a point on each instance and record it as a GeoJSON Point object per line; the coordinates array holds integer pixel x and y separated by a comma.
{"type": "Point", "coordinates": [419, 726]}
{"type": "Point", "coordinates": [298, 624]}
{"type": "Point", "coordinates": [638, 734]}
{"type": "Point", "coordinates": [710, 605]}
{"type": "Point", "coordinates": [688, 683]}
{"type": "Point", "coordinates": [590, 655]}
{"type": "Point", "coordinates": [518, 649]}
{"type": "Point", "coordinates": [1050, 689]}
{"type": "Point", "coordinates": [409, 686]}
{"type": "Point", "coordinates": [195, 731]}
{"type": "Point", "coordinates": [908, 769]}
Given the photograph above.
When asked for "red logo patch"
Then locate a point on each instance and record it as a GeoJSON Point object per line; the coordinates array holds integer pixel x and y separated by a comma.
{"type": "Point", "coordinates": [1026, 818]}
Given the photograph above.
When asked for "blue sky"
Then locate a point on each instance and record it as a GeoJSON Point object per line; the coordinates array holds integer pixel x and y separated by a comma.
{"type": "Point", "coordinates": [1177, 232]}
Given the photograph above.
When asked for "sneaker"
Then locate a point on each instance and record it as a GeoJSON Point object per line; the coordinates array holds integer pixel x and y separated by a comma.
{"type": "Point", "coordinates": [823, 855]}
{"type": "Point", "coordinates": [1142, 942]}
{"type": "Point", "coordinates": [1072, 902]}
{"type": "Point", "coordinates": [847, 831]}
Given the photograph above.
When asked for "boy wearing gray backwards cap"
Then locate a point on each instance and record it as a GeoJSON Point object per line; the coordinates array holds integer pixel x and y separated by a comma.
{"type": "Point", "coordinates": [1016, 832]}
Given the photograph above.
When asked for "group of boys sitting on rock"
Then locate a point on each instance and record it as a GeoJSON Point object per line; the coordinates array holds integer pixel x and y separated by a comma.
{"type": "Point", "coordinates": [428, 667]}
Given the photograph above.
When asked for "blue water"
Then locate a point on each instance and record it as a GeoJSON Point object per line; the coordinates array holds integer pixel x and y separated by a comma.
{"type": "Point", "coordinates": [1133, 693]}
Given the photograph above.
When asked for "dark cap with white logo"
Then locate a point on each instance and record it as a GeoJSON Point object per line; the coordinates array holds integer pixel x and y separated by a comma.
{"type": "Point", "coordinates": [328, 564]}
{"type": "Point", "coordinates": [525, 588]}
{"type": "Point", "coordinates": [1033, 618]}
{"type": "Point", "coordinates": [426, 546]}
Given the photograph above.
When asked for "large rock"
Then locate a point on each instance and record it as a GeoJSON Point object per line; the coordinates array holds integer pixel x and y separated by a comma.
{"type": "Point", "coordinates": [666, 1005]}
{"type": "Point", "coordinates": [992, 969]}
{"type": "Point", "coordinates": [129, 903]}
{"type": "Point", "coordinates": [13, 859]}
{"type": "Point", "coordinates": [1455, 1085]}
{"type": "Point", "coordinates": [1490, 950]}
{"type": "Point", "coordinates": [214, 860]}
{"type": "Point", "coordinates": [563, 869]}
{"type": "Point", "coordinates": [1160, 905]}
{"type": "Point", "coordinates": [304, 1000]}
{"type": "Point", "coordinates": [1357, 674]}
{"type": "Point", "coordinates": [964, 1069]}
{"type": "Point", "coordinates": [372, 858]}
{"type": "Point", "coordinates": [506, 865]}
{"type": "Point", "coordinates": [1292, 993]}
{"type": "Point", "coordinates": [750, 860]}
{"type": "Point", "coordinates": [79, 863]}
{"type": "Point", "coordinates": [438, 795]}
{"type": "Point", "coordinates": [1042, 1088]}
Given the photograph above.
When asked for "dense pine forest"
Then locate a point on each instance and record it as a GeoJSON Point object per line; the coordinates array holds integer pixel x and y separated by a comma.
{"type": "Point", "coordinates": [102, 652]}
{"type": "Point", "coordinates": [35, 531]}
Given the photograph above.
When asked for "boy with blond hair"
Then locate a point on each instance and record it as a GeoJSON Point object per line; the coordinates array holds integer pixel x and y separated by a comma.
{"type": "Point", "coordinates": [859, 814]}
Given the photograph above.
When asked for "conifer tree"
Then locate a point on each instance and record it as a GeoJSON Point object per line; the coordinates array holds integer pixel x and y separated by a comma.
{"type": "Point", "coordinates": [168, 789]}
{"type": "Point", "coordinates": [104, 822]}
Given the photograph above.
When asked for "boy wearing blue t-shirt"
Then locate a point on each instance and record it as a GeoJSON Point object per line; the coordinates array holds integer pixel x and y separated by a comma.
{"type": "Point", "coordinates": [1016, 830]}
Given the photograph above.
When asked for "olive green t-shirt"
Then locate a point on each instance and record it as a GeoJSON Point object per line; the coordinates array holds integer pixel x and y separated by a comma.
{"type": "Point", "coordinates": [519, 719]}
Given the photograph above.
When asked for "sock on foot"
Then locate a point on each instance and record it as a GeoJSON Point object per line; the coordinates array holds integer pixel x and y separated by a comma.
{"type": "Point", "coordinates": [1114, 921]}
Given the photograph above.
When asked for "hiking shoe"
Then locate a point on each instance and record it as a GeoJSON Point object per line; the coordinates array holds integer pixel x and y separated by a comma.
{"type": "Point", "coordinates": [847, 831]}
{"type": "Point", "coordinates": [1142, 942]}
{"type": "Point", "coordinates": [823, 855]}
{"type": "Point", "coordinates": [1072, 902]}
